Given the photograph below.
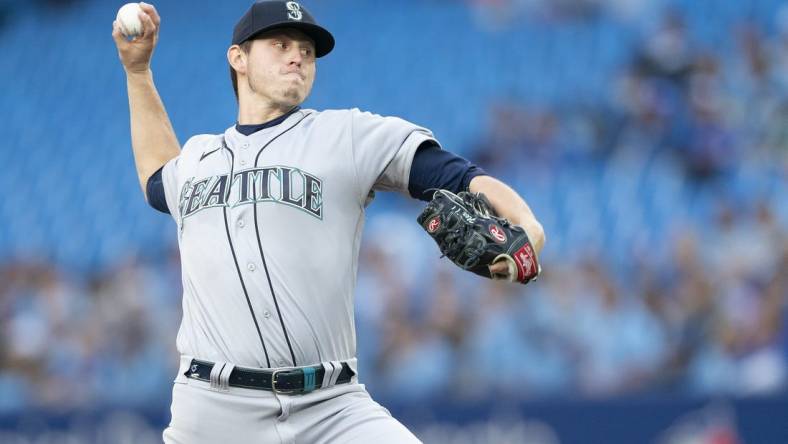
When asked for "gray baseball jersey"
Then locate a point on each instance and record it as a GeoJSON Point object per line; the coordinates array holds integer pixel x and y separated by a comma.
{"type": "Point", "coordinates": [269, 228]}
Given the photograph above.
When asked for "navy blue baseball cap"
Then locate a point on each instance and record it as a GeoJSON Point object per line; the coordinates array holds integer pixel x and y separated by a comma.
{"type": "Point", "coordinates": [267, 15]}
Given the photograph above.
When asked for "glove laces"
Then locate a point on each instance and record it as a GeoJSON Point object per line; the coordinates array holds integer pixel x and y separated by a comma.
{"type": "Point", "coordinates": [458, 242]}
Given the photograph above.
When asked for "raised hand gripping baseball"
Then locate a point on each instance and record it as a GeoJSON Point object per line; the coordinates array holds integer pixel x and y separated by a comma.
{"type": "Point", "coordinates": [135, 54]}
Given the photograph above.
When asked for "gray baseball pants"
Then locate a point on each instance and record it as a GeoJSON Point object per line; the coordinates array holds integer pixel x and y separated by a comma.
{"type": "Point", "coordinates": [344, 413]}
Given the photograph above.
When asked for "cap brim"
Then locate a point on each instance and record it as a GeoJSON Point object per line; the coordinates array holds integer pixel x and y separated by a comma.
{"type": "Point", "coordinates": [324, 41]}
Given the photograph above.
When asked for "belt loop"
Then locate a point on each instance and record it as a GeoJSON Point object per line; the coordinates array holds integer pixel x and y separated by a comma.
{"type": "Point", "coordinates": [329, 371]}
{"type": "Point", "coordinates": [224, 376]}
{"type": "Point", "coordinates": [333, 368]}
{"type": "Point", "coordinates": [337, 370]}
{"type": "Point", "coordinates": [216, 371]}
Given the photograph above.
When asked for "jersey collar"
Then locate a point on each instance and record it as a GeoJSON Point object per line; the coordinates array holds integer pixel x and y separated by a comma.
{"type": "Point", "coordinates": [248, 130]}
{"type": "Point", "coordinates": [236, 139]}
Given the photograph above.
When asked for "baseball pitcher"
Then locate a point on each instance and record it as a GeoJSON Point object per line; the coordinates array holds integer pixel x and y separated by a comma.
{"type": "Point", "coordinates": [269, 218]}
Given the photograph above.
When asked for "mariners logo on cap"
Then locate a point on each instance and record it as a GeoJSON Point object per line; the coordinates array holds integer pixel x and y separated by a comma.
{"type": "Point", "coordinates": [294, 11]}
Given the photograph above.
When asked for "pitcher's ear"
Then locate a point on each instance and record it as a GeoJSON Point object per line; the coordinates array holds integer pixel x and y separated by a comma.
{"type": "Point", "coordinates": [237, 58]}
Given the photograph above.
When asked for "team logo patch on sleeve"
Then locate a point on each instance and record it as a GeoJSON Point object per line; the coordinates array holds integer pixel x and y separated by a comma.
{"type": "Point", "coordinates": [434, 224]}
{"type": "Point", "coordinates": [497, 234]}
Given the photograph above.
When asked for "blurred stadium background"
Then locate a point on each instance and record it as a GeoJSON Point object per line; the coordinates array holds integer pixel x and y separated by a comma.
{"type": "Point", "coordinates": [650, 138]}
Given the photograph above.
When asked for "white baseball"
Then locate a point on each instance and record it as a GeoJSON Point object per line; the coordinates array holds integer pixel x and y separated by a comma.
{"type": "Point", "coordinates": [130, 24]}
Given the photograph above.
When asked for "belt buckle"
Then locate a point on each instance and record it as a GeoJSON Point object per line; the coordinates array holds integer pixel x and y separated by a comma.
{"type": "Point", "coordinates": [277, 390]}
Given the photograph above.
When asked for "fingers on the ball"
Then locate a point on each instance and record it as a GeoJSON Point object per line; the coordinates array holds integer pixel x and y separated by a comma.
{"type": "Point", "coordinates": [151, 11]}
{"type": "Point", "coordinates": [148, 28]}
{"type": "Point", "coordinates": [117, 33]}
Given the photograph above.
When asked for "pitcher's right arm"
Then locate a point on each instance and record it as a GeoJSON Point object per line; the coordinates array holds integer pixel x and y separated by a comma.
{"type": "Point", "coordinates": [152, 138]}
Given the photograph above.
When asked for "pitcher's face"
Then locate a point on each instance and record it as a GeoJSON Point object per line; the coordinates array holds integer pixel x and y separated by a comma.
{"type": "Point", "coordinates": [281, 67]}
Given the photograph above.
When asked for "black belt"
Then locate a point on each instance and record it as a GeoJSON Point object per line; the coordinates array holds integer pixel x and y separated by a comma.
{"type": "Point", "coordinates": [287, 380]}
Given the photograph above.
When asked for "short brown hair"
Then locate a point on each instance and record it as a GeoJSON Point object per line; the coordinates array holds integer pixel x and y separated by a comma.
{"type": "Point", "coordinates": [245, 47]}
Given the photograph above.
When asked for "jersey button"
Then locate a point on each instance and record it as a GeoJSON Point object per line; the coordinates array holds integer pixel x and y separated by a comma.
{"type": "Point", "coordinates": [241, 223]}
{"type": "Point", "coordinates": [245, 145]}
{"type": "Point", "coordinates": [282, 362]}
{"type": "Point", "coordinates": [266, 314]}
{"type": "Point", "coordinates": [251, 266]}
{"type": "Point", "coordinates": [243, 162]}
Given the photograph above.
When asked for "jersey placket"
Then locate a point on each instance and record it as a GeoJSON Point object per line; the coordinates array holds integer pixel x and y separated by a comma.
{"type": "Point", "coordinates": [241, 220]}
{"type": "Point", "coordinates": [258, 228]}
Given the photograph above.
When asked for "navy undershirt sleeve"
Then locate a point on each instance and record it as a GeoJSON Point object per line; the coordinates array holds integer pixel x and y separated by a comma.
{"type": "Point", "coordinates": [434, 168]}
{"type": "Point", "coordinates": [155, 192]}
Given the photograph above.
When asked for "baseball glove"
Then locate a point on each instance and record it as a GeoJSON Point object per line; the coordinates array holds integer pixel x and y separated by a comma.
{"type": "Point", "coordinates": [471, 235]}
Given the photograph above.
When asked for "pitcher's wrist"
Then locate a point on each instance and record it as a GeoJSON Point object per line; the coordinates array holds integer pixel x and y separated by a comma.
{"type": "Point", "coordinates": [141, 73]}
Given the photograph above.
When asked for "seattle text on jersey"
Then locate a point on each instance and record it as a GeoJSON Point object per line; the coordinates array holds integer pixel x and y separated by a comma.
{"type": "Point", "coordinates": [280, 184]}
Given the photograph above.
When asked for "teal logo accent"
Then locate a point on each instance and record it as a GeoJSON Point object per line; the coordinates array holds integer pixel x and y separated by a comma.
{"type": "Point", "coordinates": [309, 379]}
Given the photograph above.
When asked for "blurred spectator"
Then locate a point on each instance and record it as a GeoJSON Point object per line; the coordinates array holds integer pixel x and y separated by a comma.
{"type": "Point", "coordinates": [114, 333]}
{"type": "Point", "coordinates": [667, 53]}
